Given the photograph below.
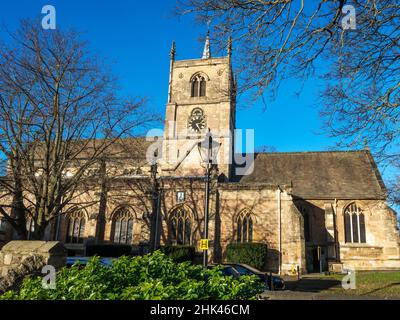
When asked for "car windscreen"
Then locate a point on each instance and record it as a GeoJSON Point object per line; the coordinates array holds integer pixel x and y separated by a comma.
{"type": "Point", "coordinates": [229, 271]}
{"type": "Point", "coordinates": [242, 270]}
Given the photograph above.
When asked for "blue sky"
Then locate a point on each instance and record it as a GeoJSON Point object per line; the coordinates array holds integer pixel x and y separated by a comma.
{"type": "Point", "coordinates": [135, 36]}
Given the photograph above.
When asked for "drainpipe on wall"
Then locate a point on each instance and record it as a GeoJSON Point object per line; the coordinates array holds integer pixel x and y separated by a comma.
{"type": "Point", "coordinates": [157, 220]}
{"type": "Point", "coordinates": [335, 216]}
{"type": "Point", "coordinates": [279, 191]}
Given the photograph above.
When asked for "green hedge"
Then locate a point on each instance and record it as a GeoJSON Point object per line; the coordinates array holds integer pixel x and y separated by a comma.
{"type": "Point", "coordinates": [179, 253]}
{"type": "Point", "coordinates": [253, 254]}
{"type": "Point", "coordinates": [150, 277]}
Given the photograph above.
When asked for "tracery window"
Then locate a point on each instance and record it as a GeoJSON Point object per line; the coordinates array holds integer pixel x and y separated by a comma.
{"type": "Point", "coordinates": [76, 227]}
{"type": "Point", "coordinates": [354, 221]}
{"type": "Point", "coordinates": [198, 86]}
{"type": "Point", "coordinates": [122, 226]}
{"type": "Point", "coordinates": [244, 229]}
{"type": "Point", "coordinates": [180, 226]}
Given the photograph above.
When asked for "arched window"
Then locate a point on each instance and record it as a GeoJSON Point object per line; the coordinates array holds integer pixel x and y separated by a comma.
{"type": "Point", "coordinates": [244, 226]}
{"type": "Point", "coordinates": [354, 222]}
{"type": "Point", "coordinates": [30, 227]}
{"type": "Point", "coordinates": [198, 86]}
{"type": "Point", "coordinates": [29, 223]}
{"type": "Point", "coordinates": [180, 226]}
{"type": "Point", "coordinates": [202, 88]}
{"type": "Point", "coordinates": [76, 227]}
{"type": "Point", "coordinates": [122, 227]}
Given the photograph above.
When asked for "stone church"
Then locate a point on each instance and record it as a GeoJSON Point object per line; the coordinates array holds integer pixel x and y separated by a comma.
{"type": "Point", "coordinates": [314, 210]}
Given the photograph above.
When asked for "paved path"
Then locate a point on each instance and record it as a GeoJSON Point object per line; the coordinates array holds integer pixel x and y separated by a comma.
{"type": "Point", "coordinates": [313, 287]}
{"type": "Point", "coordinates": [296, 295]}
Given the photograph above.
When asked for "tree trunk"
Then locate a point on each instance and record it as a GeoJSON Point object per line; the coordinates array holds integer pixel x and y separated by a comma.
{"type": "Point", "coordinates": [18, 212]}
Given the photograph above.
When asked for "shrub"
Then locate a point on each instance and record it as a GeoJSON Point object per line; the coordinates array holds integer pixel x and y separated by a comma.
{"type": "Point", "coordinates": [108, 250]}
{"type": "Point", "coordinates": [153, 276]}
{"type": "Point", "coordinates": [179, 253]}
{"type": "Point", "coordinates": [253, 254]}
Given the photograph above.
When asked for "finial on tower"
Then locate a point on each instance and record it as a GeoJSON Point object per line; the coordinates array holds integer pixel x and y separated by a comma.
{"type": "Point", "coordinates": [366, 147]}
{"type": "Point", "coordinates": [229, 46]}
{"type": "Point", "coordinates": [173, 51]}
{"type": "Point", "coordinates": [207, 50]}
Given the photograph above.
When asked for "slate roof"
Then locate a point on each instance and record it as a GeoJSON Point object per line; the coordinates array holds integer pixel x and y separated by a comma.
{"type": "Point", "coordinates": [129, 148]}
{"type": "Point", "coordinates": [320, 175]}
{"type": "Point", "coordinates": [312, 175]}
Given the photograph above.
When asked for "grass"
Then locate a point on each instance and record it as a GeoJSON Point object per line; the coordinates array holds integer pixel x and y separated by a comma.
{"type": "Point", "coordinates": [379, 284]}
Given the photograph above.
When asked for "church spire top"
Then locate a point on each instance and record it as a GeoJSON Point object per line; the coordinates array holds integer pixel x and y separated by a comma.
{"type": "Point", "coordinates": [207, 50]}
{"type": "Point", "coordinates": [173, 51]}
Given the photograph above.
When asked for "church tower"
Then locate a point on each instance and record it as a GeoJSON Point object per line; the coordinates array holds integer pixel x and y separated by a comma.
{"type": "Point", "coordinates": [201, 98]}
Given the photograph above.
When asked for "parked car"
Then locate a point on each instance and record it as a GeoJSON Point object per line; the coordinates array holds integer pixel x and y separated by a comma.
{"type": "Point", "coordinates": [278, 282]}
{"type": "Point", "coordinates": [239, 269]}
{"type": "Point", "coordinates": [226, 270]}
{"type": "Point", "coordinates": [84, 260]}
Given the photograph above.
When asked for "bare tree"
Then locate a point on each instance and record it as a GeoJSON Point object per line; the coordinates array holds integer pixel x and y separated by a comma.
{"type": "Point", "coordinates": [278, 39]}
{"type": "Point", "coordinates": [394, 191]}
{"type": "Point", "coordinates": [60, 115]}
{"type": "Point", "coordinates": [273, 39]}
{"type": "Point", "coordinates": [362, 94]}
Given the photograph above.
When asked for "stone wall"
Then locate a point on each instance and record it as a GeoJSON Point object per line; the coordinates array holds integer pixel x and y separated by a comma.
{"type": "Point", "coordinates": [287, 247]}
{"type": "Point", "coordinates": [382, 248]}
{"type": "Point", "coordinates": [369, 257]}
{"type": "Point", "coordinates": [29, 266]}
{"type": "Point", "coordinates": [14, 252]}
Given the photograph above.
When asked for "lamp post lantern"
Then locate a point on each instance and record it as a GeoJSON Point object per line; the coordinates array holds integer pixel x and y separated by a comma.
{"type": "Point", "coordinates": [208, 149]}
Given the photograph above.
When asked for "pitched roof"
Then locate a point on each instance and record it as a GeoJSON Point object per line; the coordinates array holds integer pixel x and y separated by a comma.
{"type": "Point", "coordinates": [132, 148]}
{"type": "Point", "coordinates": [320, 175]}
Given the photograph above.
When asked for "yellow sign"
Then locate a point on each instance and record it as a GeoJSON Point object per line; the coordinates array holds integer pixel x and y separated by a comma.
{"type": "Point", "coordinates": [203, 244]}
{"type": "Point", "coordinates": [293, 271]}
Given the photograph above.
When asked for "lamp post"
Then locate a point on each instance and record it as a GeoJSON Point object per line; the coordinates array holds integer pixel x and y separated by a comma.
{"type": "Point", "coordinates": [208, 149]}
{"type": "Point", "coordinates": [155, 198]}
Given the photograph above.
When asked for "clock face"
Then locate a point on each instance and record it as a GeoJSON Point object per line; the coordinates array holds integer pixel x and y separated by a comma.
{"type": "Point", "coordinates": [197, 121]}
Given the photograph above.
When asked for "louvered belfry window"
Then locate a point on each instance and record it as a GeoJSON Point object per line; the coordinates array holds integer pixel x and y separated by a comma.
{"type": "Point", "coordinates": [198, 86]}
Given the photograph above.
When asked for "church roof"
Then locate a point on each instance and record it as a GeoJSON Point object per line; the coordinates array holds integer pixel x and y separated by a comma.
{"type": "Point", "coordinates": [123, 148]}
{"type": "Point", "coordinates": [320, 175]}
